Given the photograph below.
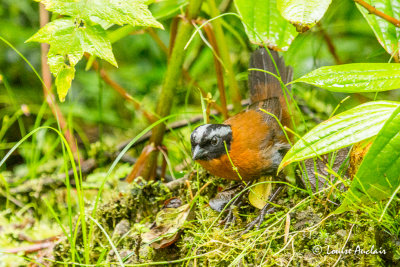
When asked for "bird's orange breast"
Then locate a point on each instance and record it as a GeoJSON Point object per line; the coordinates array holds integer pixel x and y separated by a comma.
{"type": "Point", "coordinates": [249, 137]}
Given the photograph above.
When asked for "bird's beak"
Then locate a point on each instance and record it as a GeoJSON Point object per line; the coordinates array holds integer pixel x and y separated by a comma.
{"type": "Point", "coordinates": [198, 152]}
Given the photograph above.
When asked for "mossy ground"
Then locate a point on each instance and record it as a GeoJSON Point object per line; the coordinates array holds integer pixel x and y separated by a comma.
{"type": "Point", "coordinates": [289, 236]}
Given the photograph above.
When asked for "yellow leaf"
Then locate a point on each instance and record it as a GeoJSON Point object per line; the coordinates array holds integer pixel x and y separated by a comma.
{"type": "Point", "coordinates": [260, 193]}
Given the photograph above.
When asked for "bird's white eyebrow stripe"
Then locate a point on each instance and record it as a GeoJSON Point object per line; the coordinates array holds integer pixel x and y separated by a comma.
{"type": "Point", "coordinates": [199, 133]}
{"type": "Point", "coordinates": [210, 129]}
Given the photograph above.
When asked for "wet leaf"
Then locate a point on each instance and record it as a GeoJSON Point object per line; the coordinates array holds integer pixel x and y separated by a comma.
{"type": "Point", "coordinates": [387, 34]}
{"type": "Point", "coordinates": [63, 81]}
{"type": "Point", "coordinates": [264, 24]}
{"type": "Point", "coordinates": [82, 29]}
{"type": "Point", "coordinates": [379, 174]}
{"type": "Point", "coordinates": [168, 223]}
{"type": "Point", "coordinates": [259, 194]}
{"type": "Point", "coordinates": [355, 78]}
{"type": "Point", "coordinates": [68, 42]}
{"type": "Point", "coordinates": [133, 12]}
{"type": "Point", "coordinates": [344, 129]}
{"type": "Point", "coordinates": [304, 14]}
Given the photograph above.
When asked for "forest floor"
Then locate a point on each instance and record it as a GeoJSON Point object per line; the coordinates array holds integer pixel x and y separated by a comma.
{"type": "Point", "coordinates": [154, 223]}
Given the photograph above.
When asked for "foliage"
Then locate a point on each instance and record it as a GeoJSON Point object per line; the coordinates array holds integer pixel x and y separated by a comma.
{"type": "Point", "coordinates": [303, 14]}
{"type": "Point", "coordinates": [386, 33]}
{"type": "Point", "coordinates": [262, 27]}
{"type": "Point", "coordinates": [355, 78]}
{"type": "Point", "coordinates": [83, 30]}
{"type": "Point", "coordinates": [378, 176]}
{"type": "Point", "coordinates": [41, 182]}
{"type": "Point", "coordinates": [344, 129]}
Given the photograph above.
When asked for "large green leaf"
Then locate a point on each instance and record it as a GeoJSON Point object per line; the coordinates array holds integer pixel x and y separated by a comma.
{"type": "Point", "coordinates": [68, 41]}
{"type": "Point", "coordinates": [303, 13]}
{"type": "Point", "coordinates": [379, 174]}
{"type": "Point", "coordinates": [344, 129]}
{"type": "Point", "coordinates": [133, 12]}
{"type": "Point", "coordinates": [83, 30]}
{"type": "Point", "coordinates": [264, 24]}
{"type": "Point", "coordinates": [357, 77]}
{"type": "Point", "coordinates": [387, 34]}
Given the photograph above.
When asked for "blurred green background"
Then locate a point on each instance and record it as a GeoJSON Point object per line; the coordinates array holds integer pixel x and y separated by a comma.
{"type": "Point", "coordinates": [97, 113]}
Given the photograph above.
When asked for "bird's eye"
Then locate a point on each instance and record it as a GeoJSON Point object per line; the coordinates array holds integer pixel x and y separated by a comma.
{"type": "Point", "coordinates": [214, 141]}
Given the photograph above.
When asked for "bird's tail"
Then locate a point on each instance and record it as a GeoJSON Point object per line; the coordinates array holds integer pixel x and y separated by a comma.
{"type": "Point", "coordinates": [262, 84]}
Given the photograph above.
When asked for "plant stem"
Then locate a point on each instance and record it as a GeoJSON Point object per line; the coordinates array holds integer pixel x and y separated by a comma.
{"type": "Point", "coordinates": [186, 74]}
{"type": "Point", "coordinates": [148, 160]}
{"type": "Point", "coordinates": [218, 68]}
{"type": "Point", "coordinates": [378, 13]}
{"type": "Point", "coordinates": [48, 94]}
{"type": "Point", "coordinates": [224, 50]}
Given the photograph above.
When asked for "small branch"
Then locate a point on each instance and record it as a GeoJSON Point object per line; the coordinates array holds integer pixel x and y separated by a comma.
{"type": "Point", "coordinates": [30, 248]}
{"type": "Point", "coordinates": [224, 50]}
{"type": "Point", "coordinates": [218, 68]}
{"type": "Point", "coordinates": [330, 44]}
{"type": "Point", "coordinates": [120, 90]}
{"type": "Point", "coordinates": [173, 32]}
{"type": "Point", "coordinates": [48, 94]}
{"type": "Point", "coordinates": [373, 10]}
{"type": "Point", "coordinates": [157, 39]}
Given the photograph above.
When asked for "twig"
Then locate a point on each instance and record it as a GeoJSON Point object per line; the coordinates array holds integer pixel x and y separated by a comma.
{"type": "Point", "coordinates": [330, 44]}
{"type": "Point", "coordinates": [177, 183]}
{"type": "Point", "coordinates": [224, 50]}
{"type": "Point", "coordinates": [189, 189]}
{"type": "Point", "coordinates": [30, 249]}
{"type": "Point", "coordinates": [218, 68]}
{"type": "Point", "coordinates": [160, 43]}
{"type": "Point", "coordinates": [373, 10]}
{"type": "Point", "coordinates": [174, 30]}
{"type": "Point", "coordinates": [48, 94]}
{"type": "Point", "coordinates": [23, 237]}
{"type": "Point", "coordinates": [119, 89]}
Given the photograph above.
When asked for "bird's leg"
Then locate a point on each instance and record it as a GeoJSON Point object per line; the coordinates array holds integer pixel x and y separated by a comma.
{"type": "Point", "coordinates": [222, 199]}
{"type": "Point", "coordinates": [230, 218]}
{"type": "Point", "coordinates": [265, 210]}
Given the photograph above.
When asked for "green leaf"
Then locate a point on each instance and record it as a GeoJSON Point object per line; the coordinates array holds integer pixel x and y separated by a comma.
{"type": "Point", "coordinates": [264, 24]}
{"type": "Point", "coordinates": [63, 81]}
{"type": "Point", "coordinates": [133, 12]}
{"type": "Point", "coordinates": [342, 130]}
{"type": "Point", "coordinates": [355, 78]}
{"type": "Point", "coordinates": [379, 173]}
{"type": "Point", "coordinates": [303, 14]}
{"type": "Point", "coordinates": [259, 194]}
{"type": "Point", "coordinates": [387, 34]}
{"type": "Point", "coordinates": [67, 38]}
{"type": "Point", "coordinates": [68, 42]}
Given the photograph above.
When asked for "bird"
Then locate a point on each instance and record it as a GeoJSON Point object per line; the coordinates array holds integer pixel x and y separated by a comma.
{"type": "Point", "coordinates": [252, 143]}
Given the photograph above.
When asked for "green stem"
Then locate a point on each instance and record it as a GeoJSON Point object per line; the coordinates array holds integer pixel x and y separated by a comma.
{"type": "Point", "coordinates": [171, 80]}
{"type": "Point", "coordinates": [224, 51]}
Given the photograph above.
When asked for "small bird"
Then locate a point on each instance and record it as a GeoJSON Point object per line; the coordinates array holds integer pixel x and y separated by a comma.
{"type": "Point", "coordinates": [255, 142]}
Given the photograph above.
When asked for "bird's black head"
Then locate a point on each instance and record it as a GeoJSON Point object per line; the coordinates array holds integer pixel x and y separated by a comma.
{"type": "Point", "coordinates": [208, 141]}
